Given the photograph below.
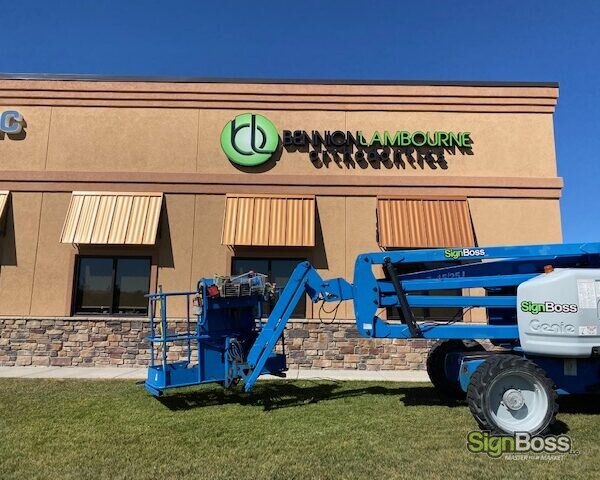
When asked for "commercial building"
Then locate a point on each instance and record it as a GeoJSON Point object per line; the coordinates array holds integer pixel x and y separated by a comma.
{"type": "Point", "coordinates": [112, 187]}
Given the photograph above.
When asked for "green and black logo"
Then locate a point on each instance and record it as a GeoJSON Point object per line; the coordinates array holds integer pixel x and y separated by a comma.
{"type": "Point", "coordinates": [455, 253]}
{"type": "Point", "coordinates": [534, 308]}
{"type": "Point", "coordinates": [520, 444]}
{"type": "Point", "coordinates": [249, 139]}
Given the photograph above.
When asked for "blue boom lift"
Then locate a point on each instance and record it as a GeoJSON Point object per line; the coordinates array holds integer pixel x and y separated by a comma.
{"type": "Point", "coordinates": [542, 333]}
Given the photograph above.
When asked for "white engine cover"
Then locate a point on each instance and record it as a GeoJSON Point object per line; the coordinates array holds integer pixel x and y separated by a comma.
{"type": "Point", "coordinates": [558, 313]}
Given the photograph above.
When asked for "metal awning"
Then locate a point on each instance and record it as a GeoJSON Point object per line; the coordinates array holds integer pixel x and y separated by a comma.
{"type": "Point", "coordinates": [269, 220]}
{"type": "Point", "coordinates": [415, 223]}
{"type": "Point", "coordinates": [4, 194]}
{"type": "Point", "coordinates": [3, 202]}
{"type": "Point", "coordinates": [112, 218]}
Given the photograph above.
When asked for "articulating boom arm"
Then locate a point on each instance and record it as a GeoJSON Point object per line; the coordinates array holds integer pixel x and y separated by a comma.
{"type": "Point", "coordinates": [304, 279]}
{"type": "Point", "coordinates": [504, 268]}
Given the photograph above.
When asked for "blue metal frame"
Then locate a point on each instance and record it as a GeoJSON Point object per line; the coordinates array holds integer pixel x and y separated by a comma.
{"type": "Point", "coordinates": [499, 270]}
{"type": "Point", "coordinates": [304, 279]}
{"type": "Point", "coordinates": [220, 321]}
{"type": "Point", "coordinates": [503, 267]}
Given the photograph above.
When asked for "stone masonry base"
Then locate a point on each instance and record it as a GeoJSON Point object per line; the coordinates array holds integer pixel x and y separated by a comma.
{"type": "Point", "coordinates": [76, 341]}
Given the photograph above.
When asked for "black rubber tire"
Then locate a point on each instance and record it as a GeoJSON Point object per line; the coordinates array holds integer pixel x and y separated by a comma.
{"type": "Point", "coordinates": [481, 381]}
{"type": "Point", "coordinates": [436, 370]}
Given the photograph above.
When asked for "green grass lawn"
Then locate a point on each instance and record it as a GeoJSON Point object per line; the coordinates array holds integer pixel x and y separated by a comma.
{"type": "Point", "coordinates": [285, 430]}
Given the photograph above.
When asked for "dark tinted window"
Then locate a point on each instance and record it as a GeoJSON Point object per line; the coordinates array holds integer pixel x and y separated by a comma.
{"type": "Point", "coordinates": [243, 265]}
{"type": "Point", "coordinates": [95, 285]}
{"type": "Point", "coordinates": [131, 284]}
{"type": "Point", "coordinates": [112, 285]}
{"type": "Point", "coordinates": [278, 271]}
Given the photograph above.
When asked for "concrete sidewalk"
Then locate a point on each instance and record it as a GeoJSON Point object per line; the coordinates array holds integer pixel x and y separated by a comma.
{"type": "Point", "coordinates": [140, 373]}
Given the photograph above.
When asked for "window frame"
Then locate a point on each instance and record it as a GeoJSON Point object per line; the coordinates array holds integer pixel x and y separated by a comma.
{"type": "Point", "coordinates": [269, 261]}
{"type": "Point", "coordinates": [115, 259]}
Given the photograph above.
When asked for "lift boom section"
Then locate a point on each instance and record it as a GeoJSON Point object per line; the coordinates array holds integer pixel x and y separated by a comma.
{"type": "Point", "coordinates": [498, 270]}
{"type": "Point", "coordinates": [304, 280]}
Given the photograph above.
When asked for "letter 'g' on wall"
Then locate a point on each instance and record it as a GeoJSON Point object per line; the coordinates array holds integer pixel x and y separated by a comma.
{"type": "Point", "coordinates": [11, 122]}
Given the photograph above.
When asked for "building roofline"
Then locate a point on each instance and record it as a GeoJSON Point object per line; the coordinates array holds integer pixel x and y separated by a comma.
{"type": "Point", "coordinates": [291, 81]}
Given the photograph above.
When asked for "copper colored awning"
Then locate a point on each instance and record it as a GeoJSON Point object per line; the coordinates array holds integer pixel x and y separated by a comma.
{"type": "Point", "coordinates": [111, 218]}
{"type": "Point", "coordinates": [415, 223]}
{"type": "Point", "coordinates": [269, 220]}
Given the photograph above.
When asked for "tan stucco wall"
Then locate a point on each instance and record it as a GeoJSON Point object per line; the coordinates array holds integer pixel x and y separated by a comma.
{"type": "Point", "coordinates": [83, 141]}
{"type": "Point", "coordinates": [501, 221]}
{"type": "Point", "coordinates": [175, 245]}
{"type": "Point", "coordinates": [127, 139]}
{"type": "Point", "coordinates": [332, 214]}
{"type": "Point", "coordinates": [54, 261]}
{"type": "Point", "coordinates": [209, 256]}
{"type": "Point", "coordinates": [31, 152]}
{"type": "Point", "coordinates": [94, 139]}
{"type": "Point", "coordinates": [18, 250]}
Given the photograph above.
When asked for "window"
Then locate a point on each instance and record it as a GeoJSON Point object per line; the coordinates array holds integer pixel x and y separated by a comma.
{"type": "Point", "coordinates": [278, 271]}
{"type": "Point", "coordinates": [427, 313]}
{"type": "Point", "coordinates": [112, 285]}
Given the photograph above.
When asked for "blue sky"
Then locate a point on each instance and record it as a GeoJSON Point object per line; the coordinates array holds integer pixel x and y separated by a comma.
{"type": "Point", "coordinates": [434, 40]}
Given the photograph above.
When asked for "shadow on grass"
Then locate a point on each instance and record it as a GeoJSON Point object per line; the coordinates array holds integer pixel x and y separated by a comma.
{"type": "Point", "coordinates": [559, 428]}
{"type": "Point", "coordinates": [286, 394]}
{"type": "Point", "coordinates": [275, 395]}
{"type": "Point", "coordinates": [587, 404]}
{"type": "Point", "coordinates": [575, 404]}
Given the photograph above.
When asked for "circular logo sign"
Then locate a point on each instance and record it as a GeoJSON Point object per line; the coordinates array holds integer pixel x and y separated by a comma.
{"type": "Point", "coordinates": [249, 139]}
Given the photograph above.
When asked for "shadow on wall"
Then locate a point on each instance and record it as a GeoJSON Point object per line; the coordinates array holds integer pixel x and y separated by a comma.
{"type": "Point", "coordinates": [378, 158]}
{"type": "Point", "coordinates": [8, 247]}
{"type": "Point", "coordinates": [318, 256]}
{"type": "Point", "coordinates": [165, 247]}
{"type": "Point", "coordinates": [364, 158]}
{"type": "Point", "coordinates": [265, 167]}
